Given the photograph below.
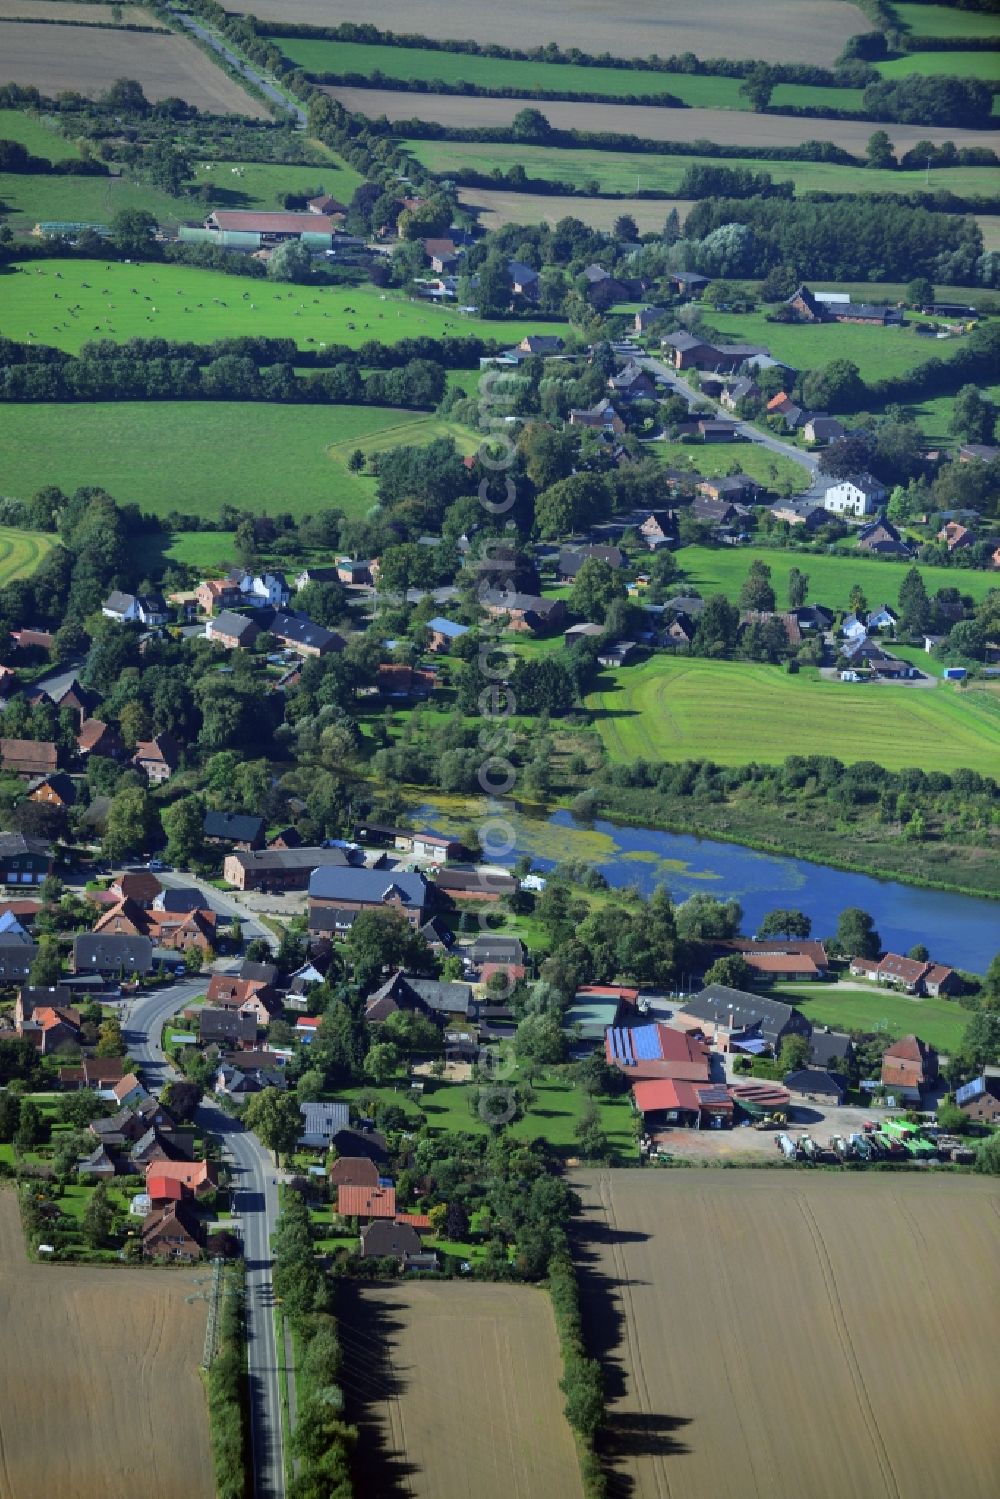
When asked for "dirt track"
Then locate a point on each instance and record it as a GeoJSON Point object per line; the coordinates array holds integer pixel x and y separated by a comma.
{"type": "Point", "coordinates": [100, 1396]}
{"type": "Point", "coordinates": [782, 31]}
{"type": "Point", "coordinates": [728, 127]}
{"type": "Point", "coordinates": [55, 58]}
{"type": "Point", "coordinates": [499, 208]}
{"type": "Point", "coordinates": [794, 1335]}
{"type": "Point", "coordinates": [459, 1395]}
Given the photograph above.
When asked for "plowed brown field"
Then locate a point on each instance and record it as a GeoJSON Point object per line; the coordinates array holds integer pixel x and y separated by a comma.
{"type": "Point", "coordinates": [728, 127]}
{"type": "Point", "coordinates": [457, 1391]}
{"type": "Point", "coordinates": [781, 31]}
{"type": "Point", "coordinates": [795, 1336]}
{"type": "Point", "coordinates": [100, 1396]}
{"type": "Point", "coordinates": [54, 58]}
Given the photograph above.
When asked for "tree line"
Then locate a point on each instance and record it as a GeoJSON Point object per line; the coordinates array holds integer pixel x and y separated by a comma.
{"type": "Point", "coordinates": [419, 384]}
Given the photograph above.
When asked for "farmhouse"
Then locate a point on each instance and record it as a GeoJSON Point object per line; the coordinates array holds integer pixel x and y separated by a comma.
{"type": "Point", "coordinates": [859, 494]}
{"type": "Point", "coordinates": [278, 868]}
{"type": "Point", "coordinates": [804, 959]}
{"type": "Point", "coordinates": [735, 1019]}
{"type": "Point", "coordinates": [28, 757]}
{"type": "Point", "coordinates": [909, 1067]}
{"type": "Point", "coordinates": [351, 890]}
{"type": "Point", "coordinates": [650, 1051]}
{"type": "Point", "coordinates": [910, 974]}
{"type": "Point", "coordinates": [254, 229]}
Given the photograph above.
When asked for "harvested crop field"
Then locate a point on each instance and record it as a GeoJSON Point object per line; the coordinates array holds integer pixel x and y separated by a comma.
{"type": "Point", "coordinates": [87, 60]}
{"type": "Point", "coordinates": [499, 208]}
{"type": "Point", "coordinates": [83, 14]}
{"type": "Point", "coordinates": [106, 1363]}
{"type": "Point", "coordinates": [782, 1334]}
{"type": "Point", "coordinates": [783, 31]}
{"type": "Point", "coordinates": [652, 122]}
{"type": "Point", "coordinates": [457, 1391]}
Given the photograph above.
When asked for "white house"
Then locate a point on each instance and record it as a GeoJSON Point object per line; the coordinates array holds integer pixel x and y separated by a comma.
{"type": "Point", "coordinates": [131, 608]}
{"type": "Point", "coordinates": [266, 588]}
{"type": "Point", "coordinates": [858, 494]}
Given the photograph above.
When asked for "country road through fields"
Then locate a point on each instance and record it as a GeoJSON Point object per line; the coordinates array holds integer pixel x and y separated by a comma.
{"type": "Point", "coordinates": [257, 1204]}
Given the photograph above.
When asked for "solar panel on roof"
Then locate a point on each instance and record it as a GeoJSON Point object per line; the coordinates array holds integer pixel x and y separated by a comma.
{"type": "Point", "coordinates": [646, 1040]}
{"type": "Point", "coordinates": [970, 1091]}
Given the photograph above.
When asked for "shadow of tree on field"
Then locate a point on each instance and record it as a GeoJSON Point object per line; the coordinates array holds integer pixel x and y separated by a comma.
{"type": "Point", "coordinates": [372, 1375]}
{"type": "Point", "coordinates": [627, 1435]}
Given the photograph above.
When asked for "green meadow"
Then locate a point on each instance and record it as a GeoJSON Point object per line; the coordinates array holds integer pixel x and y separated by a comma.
{"type": "Point", "coordinates": [171, 455]}
{"type": "Point", "coordinates": [877, 352]}
{"type": "Point", "coordinates": [623, 171]}
{"type": "Point", "coordinates": [945, 20]}
{"type": "Point", "coordinates": [732, 712]}
{"type": "Point", "coordinates": [984, 65]}
{"type": "Point", "coordinates": [831, 578]}
{"type": "Point", "coordinates": [941, 1022]}
{"type": "Point", "coordinates": [100, 300]}
{"type": "Point", "coordinates": [35, 134]}
{"type": "Point", "coordinates": [263, 184]}
{"type": "Point", "coordinates": [385, 65]}
{"type": "Point", "coordinates": [29, 198]}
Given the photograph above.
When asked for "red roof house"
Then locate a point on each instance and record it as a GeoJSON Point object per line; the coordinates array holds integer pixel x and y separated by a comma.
{"type": "Point", "coordinates": [366, 1202]}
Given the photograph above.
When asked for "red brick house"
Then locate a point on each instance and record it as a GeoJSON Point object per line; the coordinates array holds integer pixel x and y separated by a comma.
{"type": "Point", "coordinates": [214, 594]}
{"type": "Point", "coordinates": [909, 1066]}
{"type": "Point", "coordinates": [980, 1099]}
{"type": "Point", "coordinates": [172, 1233]}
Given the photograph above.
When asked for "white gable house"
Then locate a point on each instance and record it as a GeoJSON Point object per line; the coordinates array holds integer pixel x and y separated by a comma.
{"type": "Point", "coordinates": [859, 494]}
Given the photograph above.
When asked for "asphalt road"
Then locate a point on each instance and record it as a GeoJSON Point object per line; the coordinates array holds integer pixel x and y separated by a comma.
{"type": "Point", "coordinates": [243, 68]}
{"type": "Point", "coordinates": [225, 905]}
{"type": "Point", "coordinates": [808, 461]}
{"type": "Point", "coordinates": [257, 1206]}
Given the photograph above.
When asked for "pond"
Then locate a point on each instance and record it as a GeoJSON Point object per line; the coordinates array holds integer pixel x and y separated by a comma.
{"type": "Point", "coordinates": [960, 930]}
